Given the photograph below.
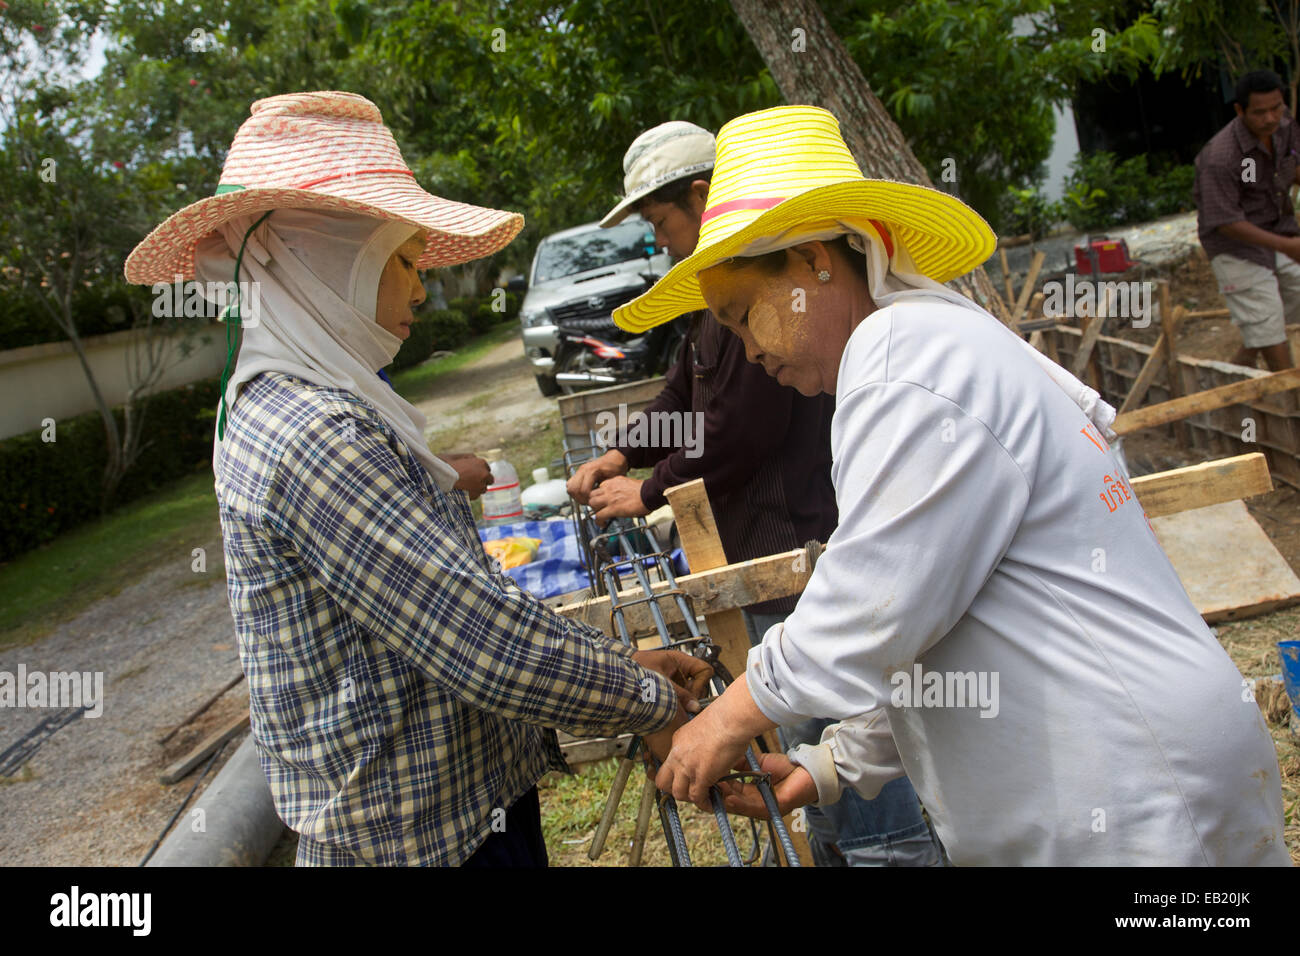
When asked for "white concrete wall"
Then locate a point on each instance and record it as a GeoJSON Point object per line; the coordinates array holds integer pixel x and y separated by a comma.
{"type": "Point", "coordinates": [47, 381]}
{"type": "Point", "coordinates": [1065, 146]}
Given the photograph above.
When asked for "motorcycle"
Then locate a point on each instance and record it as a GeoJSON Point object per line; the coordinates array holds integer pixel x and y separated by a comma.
{"type": "Point", "coordinates": [607, 355]}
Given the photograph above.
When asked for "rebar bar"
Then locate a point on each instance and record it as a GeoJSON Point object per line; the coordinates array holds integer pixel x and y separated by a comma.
{"type": "Point", "coordinates": [605, 572]}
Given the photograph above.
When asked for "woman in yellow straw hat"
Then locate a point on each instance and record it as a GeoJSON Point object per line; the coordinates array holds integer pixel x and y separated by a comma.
{"type": "Point", "coordinates": [993, 615]}
{"type": "Point", "coordinates": [399, 685]}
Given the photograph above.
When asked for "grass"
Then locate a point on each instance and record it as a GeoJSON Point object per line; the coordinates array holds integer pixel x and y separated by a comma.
{"type": "Point", "coordinates": [572, 807]}
{"type": "Point", "coordinates": [55, 582]}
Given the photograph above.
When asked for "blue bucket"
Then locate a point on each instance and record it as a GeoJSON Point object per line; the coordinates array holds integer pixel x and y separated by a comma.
{"type": "Point", "coordinates": [1289, 651]}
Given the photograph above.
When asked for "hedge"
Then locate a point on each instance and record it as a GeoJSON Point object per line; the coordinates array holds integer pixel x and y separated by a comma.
{"type": "Point", "coordinates": [47, 488]}
{"type": "Point", "coordinates": [439, 329]}
{"type": "Point", "coordinates": [24, 319]}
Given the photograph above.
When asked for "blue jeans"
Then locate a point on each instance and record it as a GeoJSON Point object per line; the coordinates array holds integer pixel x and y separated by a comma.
{"type": "Point", "coordinates": [854, 831]}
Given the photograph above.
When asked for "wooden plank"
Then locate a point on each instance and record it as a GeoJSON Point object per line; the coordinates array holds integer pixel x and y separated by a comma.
{"type": "Point", "coordinates": [186, 764]}
{"type": "Point", "coordinates": [703, 548]}
{"type": "Point", "coordinates": [1255, 580]}
{"type": "Point", "coordinates": [202, 707]}
{"type": "Point", "coordinates": [1208, 483]}
{"type": "Point", "coordinates": [1208, 314]}
{"type": "Point", "coordinates": [580, 751]}
{"type": "Point", "coordinates": [720, 589]}
{"type": "Point", "coordinates": [1208, 400]}
{"type": "Point", "coordinates": [1027, 289]}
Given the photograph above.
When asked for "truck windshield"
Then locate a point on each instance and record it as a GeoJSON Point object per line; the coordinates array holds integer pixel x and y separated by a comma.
{"type": "Point", "coordinates": [592, 250]}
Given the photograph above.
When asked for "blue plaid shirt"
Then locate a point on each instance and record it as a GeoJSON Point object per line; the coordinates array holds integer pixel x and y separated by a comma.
{"type": "Point", "coordinates": [400, 686]}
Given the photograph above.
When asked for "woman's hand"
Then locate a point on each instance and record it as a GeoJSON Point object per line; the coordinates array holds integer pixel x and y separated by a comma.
{"type": "Point", "coordinates": [475, 473]}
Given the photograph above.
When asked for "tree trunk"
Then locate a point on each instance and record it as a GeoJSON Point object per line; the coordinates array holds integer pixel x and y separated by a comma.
{"type": "Point", "coordinates": [823, 74]}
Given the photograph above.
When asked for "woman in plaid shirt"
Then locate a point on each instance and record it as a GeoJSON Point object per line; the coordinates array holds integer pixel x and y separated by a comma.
{"type": "Point", "coordinates": [403, 692]}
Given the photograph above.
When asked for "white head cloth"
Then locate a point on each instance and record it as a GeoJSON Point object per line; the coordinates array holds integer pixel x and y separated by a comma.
{"type": "Point", "coordinates": [317, 276]}
{"type": "Point", "coordinates": [896, 280]}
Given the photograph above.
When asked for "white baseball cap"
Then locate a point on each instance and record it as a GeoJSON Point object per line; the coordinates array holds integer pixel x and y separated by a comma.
{"type": "Point", "coordinates": [668, 152]}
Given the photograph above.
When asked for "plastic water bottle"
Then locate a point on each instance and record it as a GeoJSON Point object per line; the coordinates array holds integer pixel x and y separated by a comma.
{"type": "Point", "coordinates": [544, 492]}
{"type": "Point", "coordinates": [501, 502]}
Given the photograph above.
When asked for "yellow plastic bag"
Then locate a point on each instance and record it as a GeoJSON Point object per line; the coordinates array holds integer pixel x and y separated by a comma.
{"type": "Point", "coordinates": [512, 552]}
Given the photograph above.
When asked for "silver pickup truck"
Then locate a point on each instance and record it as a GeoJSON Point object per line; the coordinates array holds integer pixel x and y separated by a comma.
{"type": "Point", "coordinates": [578, 277]}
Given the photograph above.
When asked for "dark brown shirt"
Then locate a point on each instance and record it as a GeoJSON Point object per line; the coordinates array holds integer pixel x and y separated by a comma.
{"type": "Point", "coordinates": [765, 450]}
{"type": "Point", "coordinates": [1237, 180]}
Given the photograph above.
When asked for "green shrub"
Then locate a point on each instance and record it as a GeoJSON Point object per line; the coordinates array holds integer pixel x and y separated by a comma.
{"type": "Point", "coordinates": [449, 328]}
{"type": "Point", "coordinates": [419, 346]}
{"type": "Point", "coordinates": [48, 488]}
{"type": "Point", "coordinates": [1029, 211]}
{"type": "Point", "coordinates": [1102, 192]}
{"type": "Point", "coordinates": [99, 308]}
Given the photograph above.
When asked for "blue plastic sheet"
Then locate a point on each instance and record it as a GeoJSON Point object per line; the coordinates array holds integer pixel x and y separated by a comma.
{"type": "Point", "coordinates": [558, 568]}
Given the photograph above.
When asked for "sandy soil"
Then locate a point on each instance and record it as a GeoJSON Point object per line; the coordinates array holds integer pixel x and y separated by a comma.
{"type": "Point", "coordinates": [488, 403]}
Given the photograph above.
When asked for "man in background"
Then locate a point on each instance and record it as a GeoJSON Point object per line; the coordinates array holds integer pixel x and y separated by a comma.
{"type": "Point", "coordinates": [1246, 222]}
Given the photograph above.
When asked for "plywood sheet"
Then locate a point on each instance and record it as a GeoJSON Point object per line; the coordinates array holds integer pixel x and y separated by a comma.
{"type": "Point", "coordinates": [1226, 562]}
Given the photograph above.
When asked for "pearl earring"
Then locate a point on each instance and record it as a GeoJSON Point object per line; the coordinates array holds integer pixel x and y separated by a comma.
{"type": "Point", "coordinates": [823, 276]}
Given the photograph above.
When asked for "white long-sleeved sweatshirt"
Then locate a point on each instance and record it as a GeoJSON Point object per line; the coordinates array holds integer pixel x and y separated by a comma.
{"type": "Point", "coordinates": [995, 617]}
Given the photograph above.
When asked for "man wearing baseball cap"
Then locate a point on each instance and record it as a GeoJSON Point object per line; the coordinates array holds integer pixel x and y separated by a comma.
{"type": "Point", "coordinates": [765, 461]}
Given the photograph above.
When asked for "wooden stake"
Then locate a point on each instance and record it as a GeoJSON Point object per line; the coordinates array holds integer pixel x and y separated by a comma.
{"type": "Point", "coordinates": [1174, 373]}
{"type": "Point", "coordinates": [186, 764]}
{"type": "Point", "coordinates": [1150, 368]}
{"type": "Point", "coordinates": [1091, 332]}
{"type": "Point", "coordinates": [1027, 289]}
{"type": "Point", "coordinates": [1006, 276]}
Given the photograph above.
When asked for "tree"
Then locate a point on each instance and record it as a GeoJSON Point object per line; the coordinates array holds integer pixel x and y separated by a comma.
{"type": "Point", "coordinates": [71, 208]}
{"type": "Point", "coordinates": [973, 85]}
{"type": "Point", "coordinates": [1230, 34]}
{"type": "Point", "coordinates": [820, 72]}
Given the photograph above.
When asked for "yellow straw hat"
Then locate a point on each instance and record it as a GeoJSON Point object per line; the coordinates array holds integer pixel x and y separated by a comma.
{"type": "Point", "coordinates": [785, 167]}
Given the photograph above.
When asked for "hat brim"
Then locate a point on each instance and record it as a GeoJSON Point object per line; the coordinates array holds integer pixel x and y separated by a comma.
{"type": "Point", "coordinates": [456, 232]}
{"type": "Point", "coordinates": [625, 207]}
{"type": "Point", "coordinates": [944, 236]}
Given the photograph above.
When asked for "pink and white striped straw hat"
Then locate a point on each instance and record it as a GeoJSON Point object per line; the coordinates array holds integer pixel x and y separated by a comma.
{"type": "Point", "coordinates": [325, 150]}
